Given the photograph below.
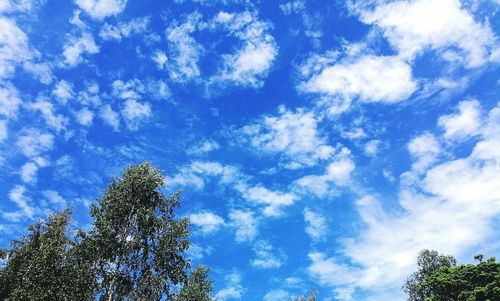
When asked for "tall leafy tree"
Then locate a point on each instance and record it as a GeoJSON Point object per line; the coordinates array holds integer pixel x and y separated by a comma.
{"type": "Point", "coordinates": [138, 245]}
{"type": "Point", "coordinates": [440, 279]}
{"type": "Point", "coordinates": [467, 282]}
{"type": "Point", "coordinates": [44, 266]}
{"type": "Point", "coordinates": [134, 251]}
{"type": "Point", "coordinates": [428, 262]}
{"type": "Point", "coordinates": [198, 287]}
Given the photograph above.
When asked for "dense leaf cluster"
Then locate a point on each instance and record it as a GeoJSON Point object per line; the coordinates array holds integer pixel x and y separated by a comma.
{"type": "Point", "coordinates": [45, 265]}
{"type": "Point", "coordinates": [440, 279]}
{"type": "Point", "coordinates": [135, 250]}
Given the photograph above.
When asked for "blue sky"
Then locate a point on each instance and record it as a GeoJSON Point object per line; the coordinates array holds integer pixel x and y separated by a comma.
{"type": "Point", "coordinates": [319, 143]}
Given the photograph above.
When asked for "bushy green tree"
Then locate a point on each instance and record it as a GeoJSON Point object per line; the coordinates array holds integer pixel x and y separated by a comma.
{"type": "Point", "coordinates": [198, 287]}
{"type": "Point", "coordinates": [137, 243]}
{"type": "Point", "coordinates": [428, 262]}
{"type": "Point", "coordinates": [440, 279]}
{"type": "Point", "coordinates": [467, 282]}
{"type": "Point", "coordinates": [43, 265]}
{"type": "Point", "coordinates": [134, 251]}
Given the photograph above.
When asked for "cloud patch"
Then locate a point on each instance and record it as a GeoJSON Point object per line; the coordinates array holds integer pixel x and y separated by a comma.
{"type": "Point", "coordinates": [369, 78]}
{"type": "Point", "coordinates": [415, 26]}
{"type": "Point", "coordinates": [208, 222]}
{"type": "Point", "coordinates": [100, 9]}
{"type": "Point", "coordinates": [293, 134]}
{"type": "Point", "coordinates": [250, 63]}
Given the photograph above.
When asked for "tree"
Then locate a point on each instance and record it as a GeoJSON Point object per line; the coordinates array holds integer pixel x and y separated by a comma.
{"type": "Point", "coordinates": [43, 265]}
{"type": "Point", "coordinates": [466, 282]}
{"type": "Point", "coordinates": [428, 262]}
{"type": "Point", "coordinates": [198, 287]}
{"type": "Point", "coordinates": [440, 279]}
{"type": "Point", "coordinates": [138, 245]}
{"type": "Point", "coordinates": [134, 251]}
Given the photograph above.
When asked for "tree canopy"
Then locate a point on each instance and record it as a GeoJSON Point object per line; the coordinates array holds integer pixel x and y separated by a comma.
{"type": "Point", "coordinates": [135, 250]}
{"type": "Point", "coordinates": [439, 279]}
{"type": "Point", "coordinates": [45, 265]}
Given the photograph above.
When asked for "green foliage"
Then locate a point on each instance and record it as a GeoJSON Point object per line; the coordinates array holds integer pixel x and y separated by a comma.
{"type": "Point", "coordinates": [43, 265]}
{"type": "Point", "coordinates": [138, 244]}
{"type": "Point", "coordinates": [428, 262]}
{"type": "Point", "coordinates": [198, 287]}
{"type": "Point", "coordinates": [134, 251]}
{"type": "Point", "coordinates": [439, 279]}
{"type": "Point", "coordinates": [466, 282]}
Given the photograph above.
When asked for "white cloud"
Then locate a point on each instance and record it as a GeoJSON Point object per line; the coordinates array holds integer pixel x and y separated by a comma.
{"type": "Point", "coordinates": [294, 134]}
{"type": "Point", "coordinates": [132, 89]}
{"type": "Point", "coordinates": [160, 59]}
{"type": "Point", "coordinates": [63, 91]}
{"type": "Point", "coordinates": [234, 289]}
{"type": "Point", "coordinates": [100, 9]}
{"type": "Point", "coordinates": [197, 173]}
{"type": "Point", "coordinates": [134, 112]}
{"type": "Point", "coordinates": [277, 295]}
{"type": "Point", "coordinates": [317, 62]}
{"type": "Point", "coordinates": [158, 89]}
{"type": "Point", "coordinates": [442, 209]}
{"type": "Point", "coordinates": [249, 65]}
{"type": "Point", "coordinates": [90, 95]}
{"type": "Point", "coordinates": [354, 133]}
{"type": "Point", "coordinates": [9, 101]}
{"type": "Point", "coordinates": [372, 147]}
{"type": "Point", "coordinates": [412, 27]}
{"type": "Point", "coordinates": [338, 172]}
{"type": "Point", "coordinates": [425, 149]}
{"type": "Point", "coordinates": [41, 71]}
{"type": "Point", "coordinates": [207, 221]}
{"type": "Point", "coordinates": [77, 47]}
{"type": "Point", "coordinates": [65, 168]}
{"type": "Point", "coordinates": [195, 252]}
{"type": "Point", "coordinates": [331, 273]}
{"type": "Point", "coordinates": [245, 224]}
{"type": "Point", "coordinates": [85, 117]}
{"type": "Point", "coordinates": [14, 48]}
{"type": "Point", "coordinates": [266, 256]}
{"type": "Point", "coordinates": [184, 51]}
{"type": "Point", "coordinates": [46, 109]}
{"type": "Point", "coordinates": [28, 172]}
{"type": "Point", "coordinates": [370, 78]}
{"type": "Point", "coordinates": [9, 6]}
{"type": "Point", "coordinates": [15, 51]}
{"type": "Point", "coordinates": [203, 147]}
{"type": "Point", "coordinates": [4, 133]}
{"type": "Point", "coordinates": [273, 200]}
{"type": "Point", "coordinates": [33, 142]}
{"type": "Point", "coordinates": [465, 123]}
{"type": "Point", "coordinates": [76, 20]}
{"type": "Point", "coordinates": [54, 198]}
{"type": "Point", "coordinates": [109, 116]}
{"type": "Point", "coordinates": [292, 7]}
{"type": "Point", "coordinates": [124, 30]}
{"type": "Point", "coordinates": [18, 196]}
{"type": "Point", "coordinates": [316, 224]}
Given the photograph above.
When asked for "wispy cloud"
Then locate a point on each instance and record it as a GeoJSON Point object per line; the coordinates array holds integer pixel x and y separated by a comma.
{"type": "Point", "coordinates": [100, 9]}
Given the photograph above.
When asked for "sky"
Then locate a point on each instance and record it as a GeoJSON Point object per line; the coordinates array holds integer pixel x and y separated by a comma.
{"type": "Point", "coordinates": [319, 143]}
